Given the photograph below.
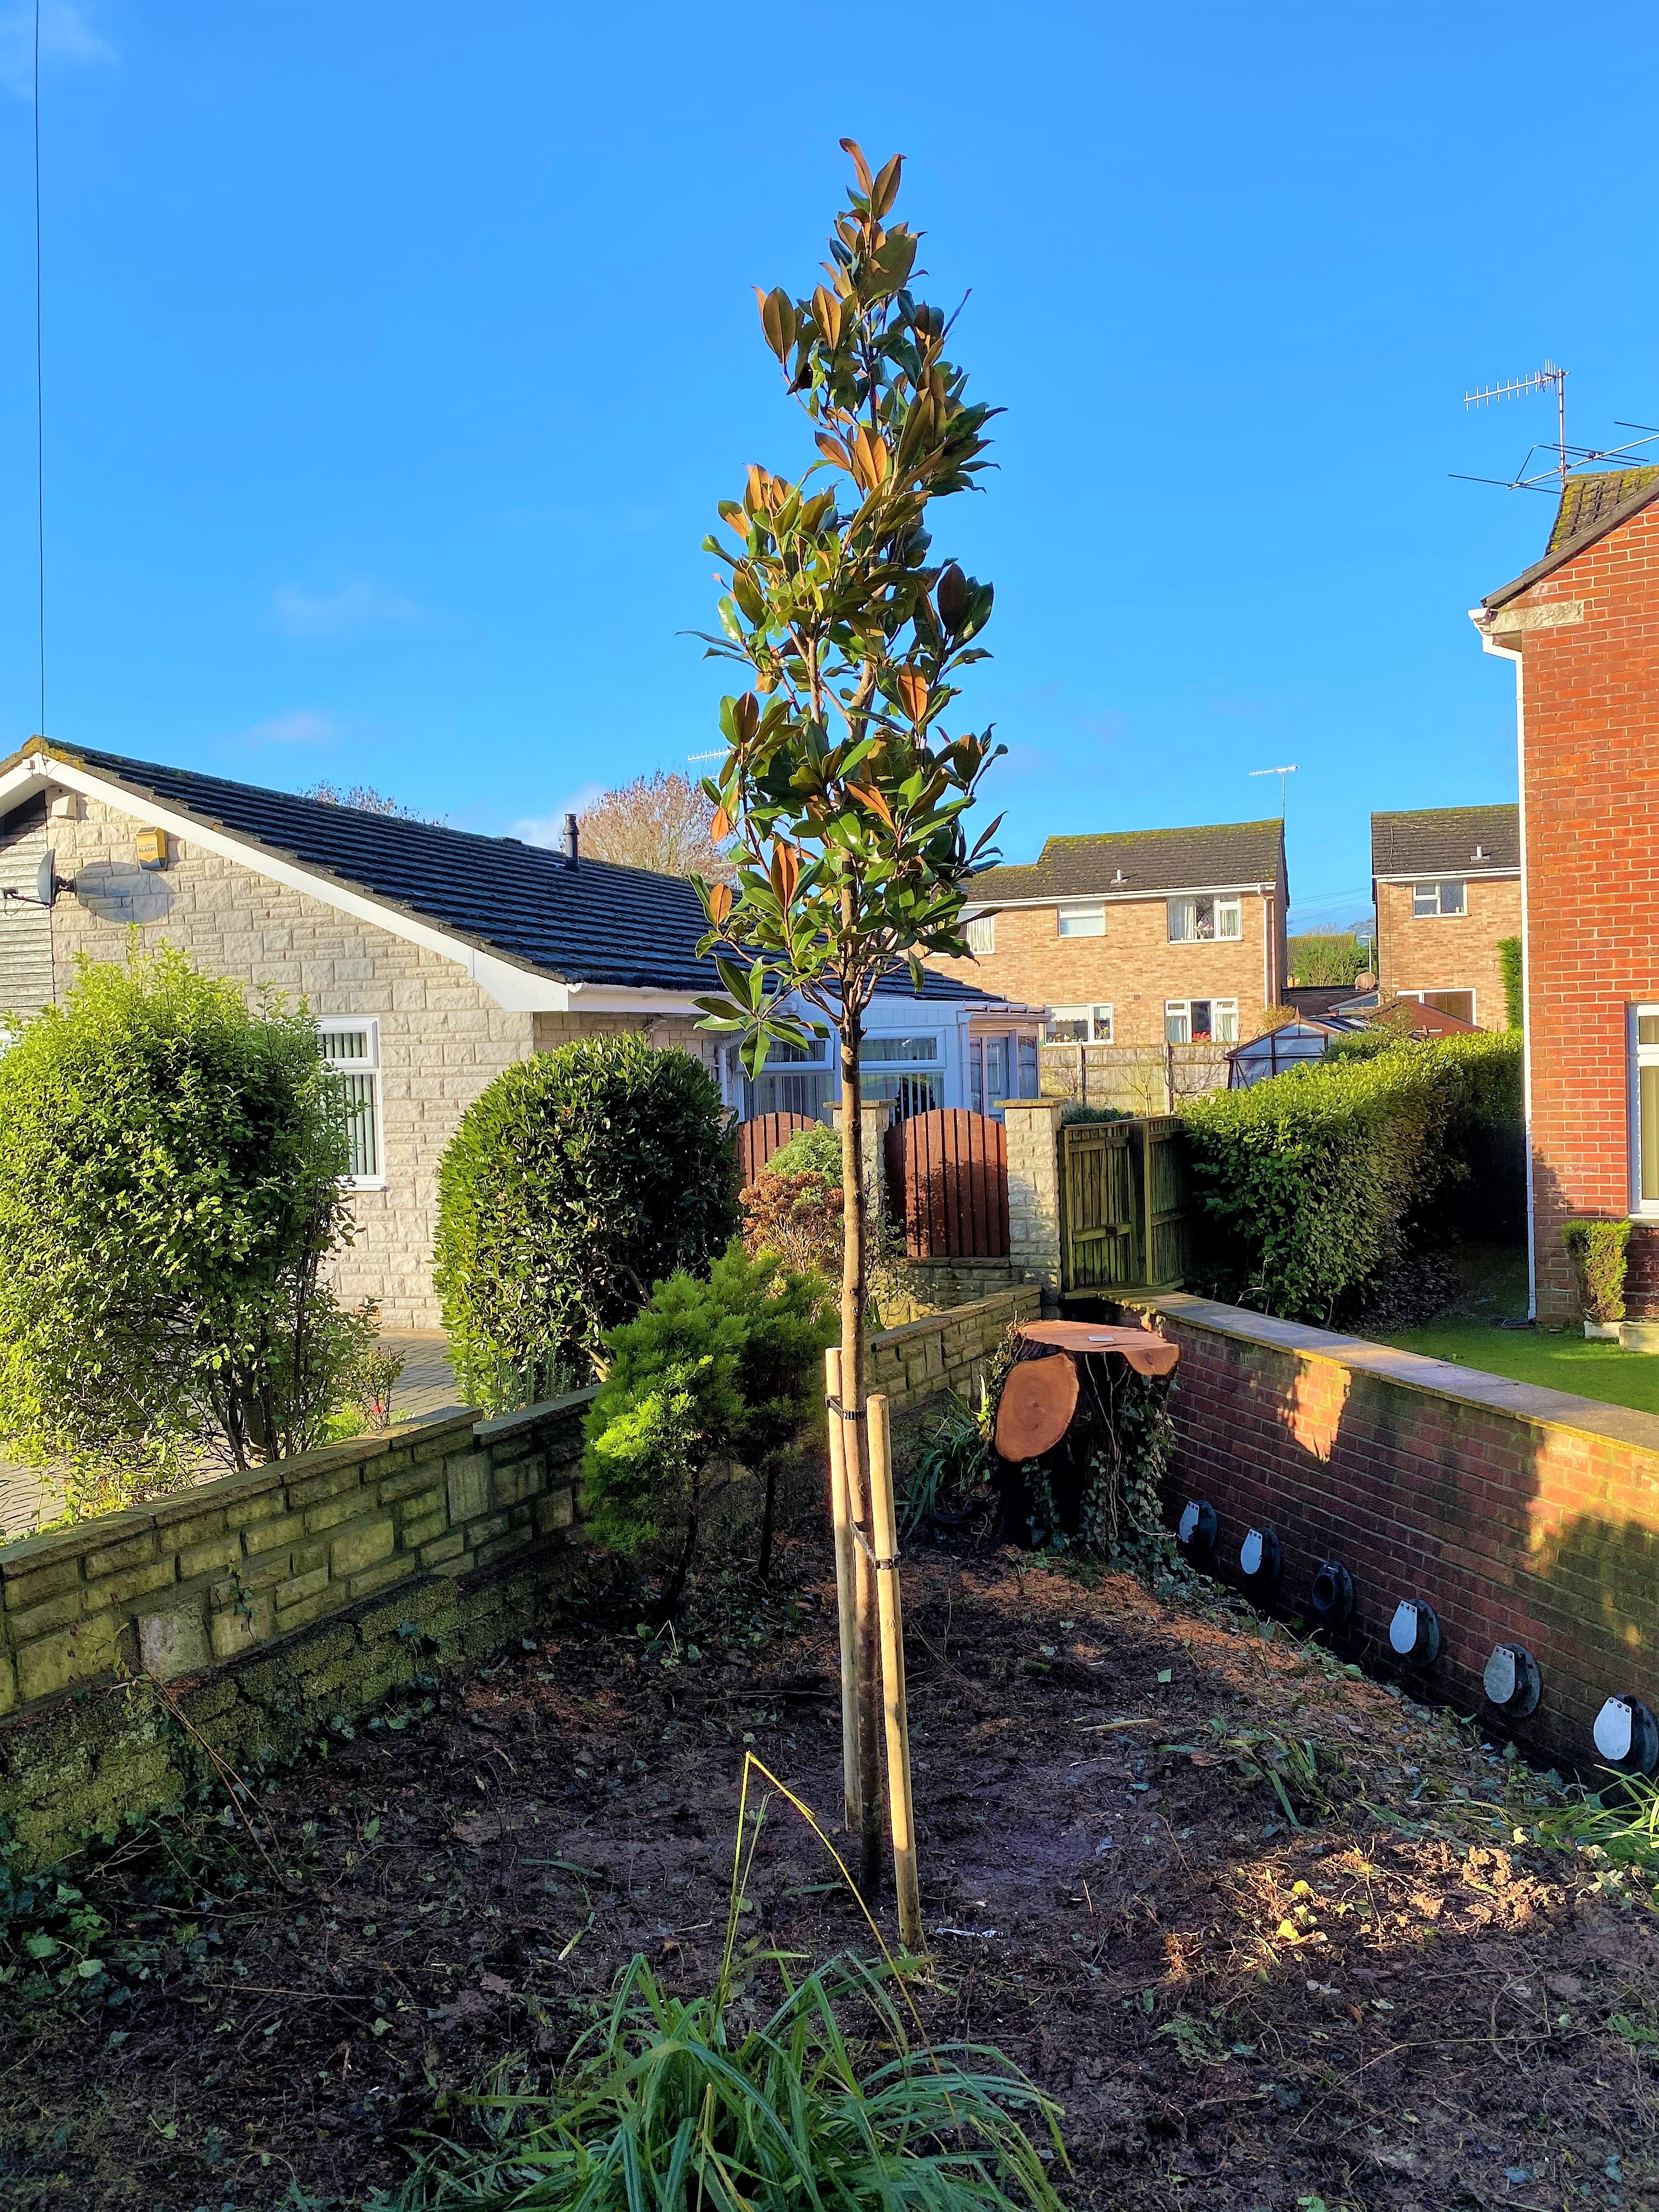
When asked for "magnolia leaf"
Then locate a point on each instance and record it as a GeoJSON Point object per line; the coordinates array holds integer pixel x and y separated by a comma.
{"type": "Point", "coordinates": [885, 190]}
{"type": "Point", "coordinates": [777, 314]}
{"type": "Point", "coordinates": [912, 689]}
{"type": "Point", "coordinates": [861, 167]}
{"type": "Point", "coordinates": [826, 312]}
{"type": "Point", "coordinates": [718, 902]}
{"type": "Point", "coordinates": [720, 829]}
{"type": "Point", "coordinates": [867, 795]}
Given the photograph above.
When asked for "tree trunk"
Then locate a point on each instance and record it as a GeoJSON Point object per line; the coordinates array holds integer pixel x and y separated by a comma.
{"type": "Point", "coordinates": [764, 1565]}
{"type": "Point", "coordinates": [853, 1303]}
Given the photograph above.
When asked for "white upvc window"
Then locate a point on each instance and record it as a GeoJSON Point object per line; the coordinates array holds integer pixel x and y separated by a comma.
{"type": "Point", "coordinates": [1078, 1025]}
{"type": "Point", "coordinates": [1644, 1108]}
{"type": "Point", "coordinates": [1081, 918]}
{"type": "Point", "coordinates": [1200, 1021]}
{"type": "Point", "coordinates": [1447, 897]}
{"type": "Point", "coordinates": [352, 1048]}
{"type": "Point", "coordinates": [981, 933]}
{"type": "Point", "coordinates": [1197, 921]}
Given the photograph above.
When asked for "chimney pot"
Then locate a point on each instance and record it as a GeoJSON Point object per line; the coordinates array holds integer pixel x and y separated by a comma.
{"type": "Point", "coordinates": [572, 841]}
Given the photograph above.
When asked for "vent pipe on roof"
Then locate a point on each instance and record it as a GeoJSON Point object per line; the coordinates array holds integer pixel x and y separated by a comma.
{"type": "Point", "coordinates": [572, 851]}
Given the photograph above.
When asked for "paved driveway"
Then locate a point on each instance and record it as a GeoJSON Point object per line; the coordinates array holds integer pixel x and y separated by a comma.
{"type": "Point", "coordinates": [29, 1496]}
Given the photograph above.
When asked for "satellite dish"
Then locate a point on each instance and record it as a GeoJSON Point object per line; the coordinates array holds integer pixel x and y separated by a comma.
{"type": "Point", "coordinates": [45, 880]}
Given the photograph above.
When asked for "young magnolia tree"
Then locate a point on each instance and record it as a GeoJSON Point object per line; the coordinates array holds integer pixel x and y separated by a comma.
{"type": "Point", "coordinates": [842, 790]}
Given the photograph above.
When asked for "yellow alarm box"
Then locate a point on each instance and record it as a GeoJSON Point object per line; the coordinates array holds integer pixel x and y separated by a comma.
{"type": "Point", "coordinates": [151, 846]}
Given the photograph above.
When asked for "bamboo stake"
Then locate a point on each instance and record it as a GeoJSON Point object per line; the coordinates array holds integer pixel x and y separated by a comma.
{"type": "Point", "coordinates": [901, 1804]}
{"type": "Point", "coordinates": [865, 1579]}
{"type": "Point", "coordinates": [846, 1573]}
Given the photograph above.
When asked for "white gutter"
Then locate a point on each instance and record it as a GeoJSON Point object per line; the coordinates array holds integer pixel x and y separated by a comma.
{"type": "Point", "coordinates": [1481, 619]}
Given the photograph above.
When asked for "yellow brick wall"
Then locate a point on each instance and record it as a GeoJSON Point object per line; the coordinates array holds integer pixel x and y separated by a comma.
{"type": "Point", "coordinates": [1132, 967]}
{"type": "Point", "coordinates": [1449, 952]}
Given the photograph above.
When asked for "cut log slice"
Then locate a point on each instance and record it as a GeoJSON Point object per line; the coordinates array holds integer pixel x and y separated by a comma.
{"type": "Point", "coordinates": [1038, 1400]}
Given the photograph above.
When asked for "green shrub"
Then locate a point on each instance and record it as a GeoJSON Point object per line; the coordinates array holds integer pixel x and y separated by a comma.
{"type": "Point", "coordinates": [1515, 990]}
{"type": "Point", "coordinates": [809, 1152]}
{"type": "Point", "coordinates": [824, 2107]}
{"type": "Point", "coordinates": [170, 1189]}
{"type": "Point", "coordinates": [1314, 1183]}
{"type": "Point", "coordinates": [576, 1182]}
{"type": "Point", "coordinates": [1328, 959]}
{"type": "Point", "coordinates": [712, 1379]}
{"type": "Point", "coordinates": [1597, 1250]}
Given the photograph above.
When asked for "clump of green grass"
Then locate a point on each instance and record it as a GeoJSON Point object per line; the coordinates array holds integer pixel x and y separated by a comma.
{"type": "Point", "coordinates": [1620, 1823]}
{"type": "Point", "coordinates": [667, 2104]}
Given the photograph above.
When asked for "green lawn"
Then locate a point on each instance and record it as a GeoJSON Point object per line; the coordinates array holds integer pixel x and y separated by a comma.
{"type": "Point", "coordinates": [1605, 1371]}
{"type": "Point", "coordinates": [1469, 1334]}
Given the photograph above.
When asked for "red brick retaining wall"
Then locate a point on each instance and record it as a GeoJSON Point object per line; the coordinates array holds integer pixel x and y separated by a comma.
{"type": "Point", "coordinates": [1522, 1515]}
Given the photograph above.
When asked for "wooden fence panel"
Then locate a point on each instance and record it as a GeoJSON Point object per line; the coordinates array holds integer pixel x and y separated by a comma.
{"type": "Point", "coordinates": [1125, 1210]}
{"type": "Point", "coordinates": [758, 1139]}
{"type": "Point", "coordinates": [947, 1183]}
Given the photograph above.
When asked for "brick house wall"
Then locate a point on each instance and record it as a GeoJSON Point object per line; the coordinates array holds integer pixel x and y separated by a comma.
{"type": "Point", "coordinates": [442, 1037]}
{"type": "Point", "coordinates": [1588, 637]}
{"type": "Point", "coordinates": [1449, 952]}
{"type": "Point", "coordinates": [1132, 967]}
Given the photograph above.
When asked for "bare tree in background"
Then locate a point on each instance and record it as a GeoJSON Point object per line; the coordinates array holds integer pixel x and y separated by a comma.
{"type": "Point", "coordinates": [366, 799]}
{"type": "Point", "coordinates": [662, 822]}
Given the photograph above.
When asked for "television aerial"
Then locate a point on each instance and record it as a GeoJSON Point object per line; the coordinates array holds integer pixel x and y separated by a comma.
{"type": "Point", "coordinates": [1553, 477]}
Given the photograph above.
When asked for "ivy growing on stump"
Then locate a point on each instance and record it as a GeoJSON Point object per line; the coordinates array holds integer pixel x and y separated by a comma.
{"type": "Point", "coordinates": [842, 791]}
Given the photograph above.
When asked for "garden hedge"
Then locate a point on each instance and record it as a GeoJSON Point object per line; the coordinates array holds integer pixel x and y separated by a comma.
{"type": "Point", "coordinates": [1313, 1185]}
{"type": "Point", "coordinates": [577, 1181]}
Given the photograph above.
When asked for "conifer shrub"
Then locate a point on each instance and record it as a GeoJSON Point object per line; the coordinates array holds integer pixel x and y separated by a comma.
{"type": "Point", "coordinates": [1314, 1184]}
{"type": "Point", "coordinates": [576, 1181]}
{"type": "Point", "coordinates": [170, 1165]}
{"type": "Point", "coordinates": [1515, 991]}
{"type": "Point", "coordinates": [1597, 1250]}
{"type": "Point", "coordinates": [716, 1384]}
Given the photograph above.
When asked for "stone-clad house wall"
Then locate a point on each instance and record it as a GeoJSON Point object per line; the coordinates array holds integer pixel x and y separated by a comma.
{"type": "Point", "coordinates": [1132, 967]}
{"type": "Point", "coordinates": [442, 1037]}
{"type": "Point", "coordinates": [1449, 952]}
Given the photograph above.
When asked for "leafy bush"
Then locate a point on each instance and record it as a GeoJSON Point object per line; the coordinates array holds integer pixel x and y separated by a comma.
{"type": "Point", "coordinates": [710, 1373]}
{"type": "Point", "coordinates": [1314, 1183]}
{"type": "Point", "coordinates": [1327, 959]}
{"type": "Point", "coordinates": [1515, 991]}
{"type": "Point", "coordinates": [576, 1182]}
{"type": "Point", "coordinates": [668, 2103]}
{"type": "Point", "coordinates": [809, 1152]}
{"type": "Point", "coordinates": [1597, 1250]}
{"type": "Point", "coordinates": [799, 1216]}
{"type": "Point", "coordinates": [170, 1189]}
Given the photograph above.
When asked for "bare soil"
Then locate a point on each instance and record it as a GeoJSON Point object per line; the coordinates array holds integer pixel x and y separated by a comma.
{"type": "Point", "coordinates": [1394, 2004]}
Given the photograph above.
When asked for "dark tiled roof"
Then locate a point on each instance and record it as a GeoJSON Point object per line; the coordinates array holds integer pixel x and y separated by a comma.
{"type": "Point", "coordinates": [1123, 861]}
{"type": "Point", "coordinates": [1590, 508]}
{"type": "Point", "coordinates": [598, 923]}
{"type": "Point", "coordinates": [1443, 841]}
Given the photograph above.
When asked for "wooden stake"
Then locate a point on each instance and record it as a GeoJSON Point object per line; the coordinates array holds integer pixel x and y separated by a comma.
{"type": "Point", "coordinates": [901, 1805]}
{"type": "Point", "coordinates": [846, 1579]}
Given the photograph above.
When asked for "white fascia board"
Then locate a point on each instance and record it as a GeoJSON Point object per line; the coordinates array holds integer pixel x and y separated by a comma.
{"type": "Point", "coordinates": [1118, 897]}
{"type": "Point", "coordinates": [1458, 875]}
{"type": "Point", "coordinates": [517, 990]}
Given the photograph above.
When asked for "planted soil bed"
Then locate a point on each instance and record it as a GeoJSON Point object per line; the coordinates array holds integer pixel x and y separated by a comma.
{"type": "Point", "coordinates": [1395, 2004]}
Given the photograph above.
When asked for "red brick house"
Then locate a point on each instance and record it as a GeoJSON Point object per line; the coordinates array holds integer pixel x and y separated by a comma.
{"type": "Point", "coordinates": [1581, 627]}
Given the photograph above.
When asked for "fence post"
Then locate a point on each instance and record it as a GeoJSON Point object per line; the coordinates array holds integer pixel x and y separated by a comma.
{"type": "Point", "coordinates": [1032, 1126]}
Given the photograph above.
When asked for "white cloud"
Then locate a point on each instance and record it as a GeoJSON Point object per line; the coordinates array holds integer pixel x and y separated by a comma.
{"type": "Point", "coordinates": [549, 828]}
{"type": "Point", "coordinates": [355, 606]}
{"type": "Point", "coordinates": [66, 38]}
{"type": "Point", "coordinates": [299, 727]}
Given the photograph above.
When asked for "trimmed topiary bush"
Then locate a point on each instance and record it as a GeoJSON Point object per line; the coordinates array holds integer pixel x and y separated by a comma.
{"type": "Point", "coordinates": [1314, 1184]}
{"type": "Point", "coordinates": [1514, 989]}
{"type": "Point", "coordinates": [578, 1180]}
{"type": "Point", "coordinates": [170, 1189]}
{"type": "Point", "coordinates": [1597, 1250]}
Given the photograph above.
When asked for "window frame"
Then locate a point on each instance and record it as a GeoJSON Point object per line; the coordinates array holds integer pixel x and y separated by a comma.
{"type": "Point", "coordinates": [1440, 911]}
{"type": "Point", "coordinates": [1425, 995]}
{"type": "Point", "coordinates": [1091, 1017]}
{"type": "Point", "coordinates": [1637, 1057]}
{"type": "Point", "coordinates": [1181, 1010]}
{"type": "Point", "coordinates": [980, 931]}
{"type": "Point", "coordinates": [366, 1066]}
{"type": "Point", "coordinates": [1224, 906]}
{"type": "Point", "coordinates": [1091, 912]}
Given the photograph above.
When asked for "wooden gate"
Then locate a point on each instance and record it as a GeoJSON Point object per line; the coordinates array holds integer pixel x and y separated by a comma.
{"type": "Point", "coordinates": [758, 1139]}
{"type": "Point", "coordinates": [1125, 1216]}
{"type": "Point", "coordinates": [947, 1184]}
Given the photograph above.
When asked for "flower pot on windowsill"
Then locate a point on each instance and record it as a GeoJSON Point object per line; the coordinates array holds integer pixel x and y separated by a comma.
{"type": "Point", "coordinates": [1603, 1332]}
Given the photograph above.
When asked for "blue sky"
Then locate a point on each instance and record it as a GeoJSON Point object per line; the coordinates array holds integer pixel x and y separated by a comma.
{"type": "Point", "coordinates": [396, 353]}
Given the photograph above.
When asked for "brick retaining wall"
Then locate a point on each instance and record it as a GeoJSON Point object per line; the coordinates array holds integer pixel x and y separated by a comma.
{"type": "Point", "coordinates": [1522, 1515]}
{"type": "Point", "coordinates": [948, 1351]}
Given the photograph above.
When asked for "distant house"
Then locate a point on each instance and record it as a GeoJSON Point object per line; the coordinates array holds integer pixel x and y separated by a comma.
{"type": "Point", "coordinates": [1581, 627]}
{"type": "Point", "coordinates": [1447, 888]}
{"type": "Point", "coordinates": [433, 959]}
{"type": "Point", "coordinates": [1139, 937]}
